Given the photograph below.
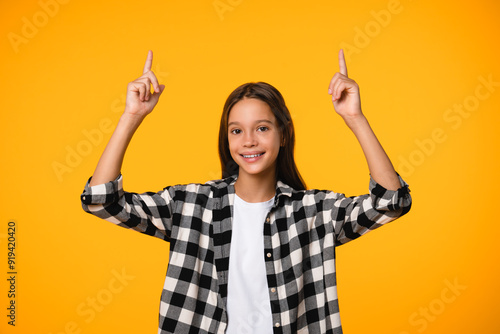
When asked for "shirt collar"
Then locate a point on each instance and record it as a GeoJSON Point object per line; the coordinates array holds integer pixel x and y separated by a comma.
{"type": "Point", "coordinates": [283, 190]}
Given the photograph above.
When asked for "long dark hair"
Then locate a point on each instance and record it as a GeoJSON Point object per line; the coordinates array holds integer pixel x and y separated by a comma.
{"type": "Point", "coordinates": [286, 170]}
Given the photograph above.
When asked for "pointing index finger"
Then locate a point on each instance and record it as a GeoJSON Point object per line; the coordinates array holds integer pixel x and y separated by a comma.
{"type": "Point", "coordinates": [149, 62]}
{"type": "Point", "coordinates": [342, 65]}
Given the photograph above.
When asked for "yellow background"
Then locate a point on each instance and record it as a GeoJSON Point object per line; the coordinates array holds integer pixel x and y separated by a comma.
{"type": "Point", "coordinates": [65, 80]}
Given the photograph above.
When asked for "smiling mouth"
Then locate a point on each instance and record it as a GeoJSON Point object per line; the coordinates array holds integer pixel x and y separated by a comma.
{"type": "Point", "coordinates": [252, 155]}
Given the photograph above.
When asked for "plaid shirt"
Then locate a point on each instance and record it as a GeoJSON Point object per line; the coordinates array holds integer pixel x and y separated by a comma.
{"type": "Point", "coordinates": [300, 234]}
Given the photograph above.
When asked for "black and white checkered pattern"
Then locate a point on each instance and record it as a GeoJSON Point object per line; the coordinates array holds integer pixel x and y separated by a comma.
{"type": "Point", "coordinates": [300, 235]}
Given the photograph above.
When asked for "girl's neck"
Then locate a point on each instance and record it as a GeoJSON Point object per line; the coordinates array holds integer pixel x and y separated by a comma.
{"type": "Point", "coordinates": [256, 188]}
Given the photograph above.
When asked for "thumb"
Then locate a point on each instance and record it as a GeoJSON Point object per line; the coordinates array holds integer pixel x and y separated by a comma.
{"type": "Point", "coordinates": [155, 96]}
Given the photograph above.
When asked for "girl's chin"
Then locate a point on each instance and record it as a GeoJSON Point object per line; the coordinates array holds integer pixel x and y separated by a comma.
{"type": "Point", "coordinates": [254, 171]}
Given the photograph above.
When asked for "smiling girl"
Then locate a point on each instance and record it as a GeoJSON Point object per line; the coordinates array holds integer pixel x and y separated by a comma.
{"type": "Point", "coordinates": [253, 252]}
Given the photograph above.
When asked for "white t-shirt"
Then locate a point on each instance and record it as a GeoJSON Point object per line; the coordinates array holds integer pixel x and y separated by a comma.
{"type": "Point", "coordinates": [248, 304]}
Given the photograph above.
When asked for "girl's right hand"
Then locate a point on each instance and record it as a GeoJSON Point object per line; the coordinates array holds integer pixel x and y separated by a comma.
{"type": "Point", "coordinates": [140, 102]}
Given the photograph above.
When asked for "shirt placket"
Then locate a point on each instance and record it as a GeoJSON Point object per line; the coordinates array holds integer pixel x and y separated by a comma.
{"type": "Point", "coordinates": [269, 256]}
{"type": "Point", "coordinates": [221, 224]}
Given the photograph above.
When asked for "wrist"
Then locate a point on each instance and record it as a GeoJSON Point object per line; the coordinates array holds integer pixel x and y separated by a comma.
{"type": "Point", "coordinates": [356, 122]}
{"type": "Point", "coordinates": [130, 122]}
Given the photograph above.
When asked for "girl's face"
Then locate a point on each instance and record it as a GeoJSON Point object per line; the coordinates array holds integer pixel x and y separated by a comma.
{"type": "Point", "coordinates": [254, 137]}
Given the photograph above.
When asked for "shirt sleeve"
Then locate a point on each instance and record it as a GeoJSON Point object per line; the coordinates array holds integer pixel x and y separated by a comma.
{"type": "Point", "coordinates": [357, 215]}
{"type": "Point", "coordinates": [148, 213]}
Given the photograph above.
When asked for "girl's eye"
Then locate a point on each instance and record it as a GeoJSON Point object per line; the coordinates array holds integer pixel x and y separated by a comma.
{"type": "Point", "coordinates": [235, 131]}
{"type": "Point", "coordinates": [263, 128]}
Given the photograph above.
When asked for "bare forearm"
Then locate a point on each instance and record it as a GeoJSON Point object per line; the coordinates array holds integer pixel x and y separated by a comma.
{"type": "Point", "coordinates": [139, 103]}
{"type": "Point", "coordinates": [379, 164]}
{"type": "Point", "coordinates": [110, 163]}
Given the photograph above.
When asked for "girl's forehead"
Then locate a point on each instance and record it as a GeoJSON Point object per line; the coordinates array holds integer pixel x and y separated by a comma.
{"type": "Point", "coordinates": [250, 109]}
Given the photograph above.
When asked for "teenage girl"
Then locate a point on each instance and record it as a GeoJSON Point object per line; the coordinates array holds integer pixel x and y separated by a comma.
{"type": "Point", "coordinates": [253, 252]}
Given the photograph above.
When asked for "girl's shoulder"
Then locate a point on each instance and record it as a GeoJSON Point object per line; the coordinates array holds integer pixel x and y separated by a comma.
{"type": "Point", "coordinates": [221, 183]}
{"type": "Point", "coordinates": [308, 195]}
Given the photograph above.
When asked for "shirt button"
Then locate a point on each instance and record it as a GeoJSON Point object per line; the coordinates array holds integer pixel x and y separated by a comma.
{"type": "Point", "coordinates": [273, 290]}
{"type": "Point", "coordinates": [268, 254]}
{"type": "Point", "coordinates": [277, 324]}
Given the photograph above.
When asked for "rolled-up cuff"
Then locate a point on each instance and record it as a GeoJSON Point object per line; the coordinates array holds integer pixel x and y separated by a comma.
{"type": "Point", "coordinates": [102, 193]}
{"type": "Point", "coordinates": [390, 200]}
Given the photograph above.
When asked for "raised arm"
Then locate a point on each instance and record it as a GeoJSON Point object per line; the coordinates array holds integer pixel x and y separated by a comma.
{"type": "Point", "coordinates": [139, 103]}
{"type": "Point", "coordinates": [347, 103]}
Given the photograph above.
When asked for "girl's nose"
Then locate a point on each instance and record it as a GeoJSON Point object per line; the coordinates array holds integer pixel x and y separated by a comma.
{"type": "Point", "coordinates": [249, 140]}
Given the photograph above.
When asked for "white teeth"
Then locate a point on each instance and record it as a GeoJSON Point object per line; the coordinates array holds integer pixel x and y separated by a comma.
{"type": "Point", "coordinates": [252, 155]}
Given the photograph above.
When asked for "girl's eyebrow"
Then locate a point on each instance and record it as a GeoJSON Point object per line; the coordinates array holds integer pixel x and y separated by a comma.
{"type": "Point", "coordinates": [257, 121]}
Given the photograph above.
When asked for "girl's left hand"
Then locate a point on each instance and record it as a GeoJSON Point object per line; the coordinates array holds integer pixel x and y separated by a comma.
{"type": "Point", "coordinates": [345, 92]}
